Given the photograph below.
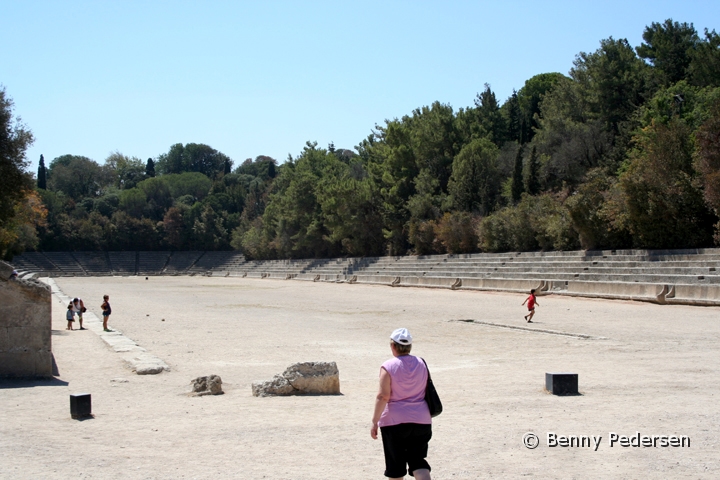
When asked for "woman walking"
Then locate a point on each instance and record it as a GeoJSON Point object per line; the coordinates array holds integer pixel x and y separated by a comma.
{"type": "Point", "coordinates": [401, 413]}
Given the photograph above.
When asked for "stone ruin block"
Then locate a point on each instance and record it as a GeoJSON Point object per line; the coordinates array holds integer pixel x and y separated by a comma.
{"type": "Point", "coordinates": [210, 385]}
{"type": "Point", "coordinates": [308, 378]}
{"type": "Point", "coordinates": [25, 327]}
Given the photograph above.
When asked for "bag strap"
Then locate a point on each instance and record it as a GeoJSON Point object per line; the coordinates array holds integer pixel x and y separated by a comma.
{"type": "Point", "coordinates": [427, 368]}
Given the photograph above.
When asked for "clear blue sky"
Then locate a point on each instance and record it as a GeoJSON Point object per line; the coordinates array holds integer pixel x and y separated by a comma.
{"type": "Point", "coordinates": [263, 77]}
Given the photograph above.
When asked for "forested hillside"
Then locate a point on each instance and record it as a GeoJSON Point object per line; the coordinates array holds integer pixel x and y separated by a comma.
{"type": "Point", "coordinates": [622, 152]}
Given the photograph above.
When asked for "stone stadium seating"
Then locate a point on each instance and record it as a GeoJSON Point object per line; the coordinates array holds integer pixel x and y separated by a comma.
{"type": "Point", "coordinates": [123, 263]}
{"type": "Point", "coordinates": [35, 263]}
{"type": "Point", "coordinates": [660, 276]}
{"type": "Point", "coordinates": [180, 262]}
{"type": "Point", "coordinates": [94, 263]}
{"type": "Point", "coordinates": [219, 263]}
{"type": "Point", "coordinates": [152, 263]}
{"type": "Point", "coordinates": [66, 263]}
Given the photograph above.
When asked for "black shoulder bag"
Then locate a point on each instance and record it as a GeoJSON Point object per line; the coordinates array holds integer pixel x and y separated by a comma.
{"type": "Point", "coordinates": [431, 396]}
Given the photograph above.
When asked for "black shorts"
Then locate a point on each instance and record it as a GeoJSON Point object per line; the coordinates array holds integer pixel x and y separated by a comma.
{"type": "Point", "coordinates": [405, 446]}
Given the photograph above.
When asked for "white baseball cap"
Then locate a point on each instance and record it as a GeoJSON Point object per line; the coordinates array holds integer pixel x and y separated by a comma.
{"type": "Point", "coordinates": [401, 336]}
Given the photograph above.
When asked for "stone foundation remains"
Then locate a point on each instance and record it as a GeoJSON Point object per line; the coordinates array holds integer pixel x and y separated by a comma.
{"type": "Point", "coordinates": [25, 327]}
{"type": "Point", "coordinates": [210, 385]}
{"type": "Point", "coordinates": [319, 378]}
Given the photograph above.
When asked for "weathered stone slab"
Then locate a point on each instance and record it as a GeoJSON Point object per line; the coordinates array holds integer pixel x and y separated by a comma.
{"type": "Point", "coordinates": [25, 327]}
{"type": "Point", "coordinates": [319, 378]}
{"type": "Point", "coordinates": [210, 385]}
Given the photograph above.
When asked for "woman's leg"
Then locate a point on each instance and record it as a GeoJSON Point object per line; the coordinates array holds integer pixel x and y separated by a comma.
{"type": "Point", "coordinates": [422, 474]}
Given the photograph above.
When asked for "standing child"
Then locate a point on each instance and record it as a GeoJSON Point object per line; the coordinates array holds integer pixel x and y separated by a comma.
{"type": "Point", "coordinates": [106, 311]}
{"type": "Point", "coordinates": [70, 316]}
{"type": "Point", "coordinates": [531, 302]}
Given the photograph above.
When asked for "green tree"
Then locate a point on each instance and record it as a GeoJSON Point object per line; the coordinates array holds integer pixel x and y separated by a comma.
{"type": "Point", "coordinates": [529, 98]}
{"type": "Point", "coordinates": [571, 138]}
{"type": "Point", "coordinates": [20, 232]}
{"type": "Point", "coordinates": [532, 174]}
{"type": "Point", "coordinates": [351, 214]}
{"type": "Point", "coordinates": [668, 48]}
{"type": "Point", "coordinates": [193, 157]}
{"type": "Point", "coordinates": [150, 168]}
{"type": "Point", "coordinates": [613, 80]}
{"type": "Point", "coordinates": [456, 232]}
{"type": "Point", "coordinates": [42, 174]}
{"type": "Point", "coordinates": [390, 160]}
{"type": "Point", "coordinates": [15, 139]}
{"type": "Point", "coordinates": [76, 176]}
{"type": "Point", "coordinates": [475, 184]}
{"type": "Point", "coordinates": [661, 205]}
{"type": "Point", "coordinates": [208, 231]}
{"type": "Point", "coordinates": [263, 167]}
{"type": "Point", "coordinates": [174, 228]}
{"type": "Point", "coordinates": [158, 195]}
{"type": "Point", "coordinates": [434, 140]}
{"type": "Point", "coordinates": [129, 233]}
{"type": "Point", "coordinates": [492, 122]}
{"type": "Point", "coordinates": [592, 221]}
{"type": "Point", "coordinates": [517, 187]}
{"type": "Point", "coordinates": [293, 218]}
{"type": "Point", "coordinates": [707, 161]}
{"type": "Point", "coordinates": [704, 66]}
{"type": "Point", "coordinates": [424, 207]}
{"type": "Point", "coordinates": [187, 183]}
{"type": "Point", "coordinates": [133, 202]}
{"type": "Point", "coordinates": [126, 172]}
{"type": "Point", "coordinates": [514, 119]}
{"type": "Point", "coordinates": [540, 222]}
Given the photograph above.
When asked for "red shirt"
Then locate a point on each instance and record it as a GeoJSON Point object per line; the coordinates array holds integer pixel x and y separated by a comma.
{"type": "Point", "coordinates": [531, 302]}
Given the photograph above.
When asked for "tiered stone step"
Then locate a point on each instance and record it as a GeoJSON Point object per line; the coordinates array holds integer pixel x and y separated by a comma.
{"type": "Point", "coordinates": [209, 260]}
{"type": "Point", "coordinates": [37, 263]}
{"type": "Point", "coordinates": [328, 270]}
{"type": "Point", "coordinates": [94, 263]}
{"type": "Point", "coordinates": [66, 262]}
{"type": "Point", "coordinates": [216, 263]}
{"type": "Point", "coordinates": [152, 263]}
{"type": "Point", "coordinates": [282, 269]}
{"type": "Point", "coordinates": [123, 263]}
{"type": "Point", "coordinates": [180, 262]}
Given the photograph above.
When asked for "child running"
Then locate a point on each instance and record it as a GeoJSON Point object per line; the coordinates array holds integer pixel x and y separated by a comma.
{"type": "Point", "coordinates": [70, 316]}
{"type": "Point", "coordinates": [531, 302]}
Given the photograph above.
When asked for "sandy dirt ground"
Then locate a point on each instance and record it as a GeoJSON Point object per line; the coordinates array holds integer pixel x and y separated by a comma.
{"type": "Point", "coordinates": [655, 372]}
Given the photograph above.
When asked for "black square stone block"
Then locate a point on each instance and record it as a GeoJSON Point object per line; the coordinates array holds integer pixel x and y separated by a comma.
{"type": "Point", "coordinates": [562, 383]}
{"type": "Point", "coordinates": [80, 405]}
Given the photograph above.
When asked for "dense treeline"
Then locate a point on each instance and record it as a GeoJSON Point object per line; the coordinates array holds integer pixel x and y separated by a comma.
{"type": "Point", "coordinates": [622, 152]}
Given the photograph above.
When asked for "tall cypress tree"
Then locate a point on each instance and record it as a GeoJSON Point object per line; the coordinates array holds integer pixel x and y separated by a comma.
{"type": "Point", "coordinates": [150, 168]}
{"type": "Point", "coordinates": [532, 179]}
{"type": "Point", "coordinates": [517, 177]}
{"type": "Point", "coordinates": [515, 120]}
{"type": "Point", "coordinates": [42, 174]}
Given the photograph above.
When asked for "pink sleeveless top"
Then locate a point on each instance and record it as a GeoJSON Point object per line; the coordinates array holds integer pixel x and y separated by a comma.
{"type": "Point", "coordinates": [407, 404]}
